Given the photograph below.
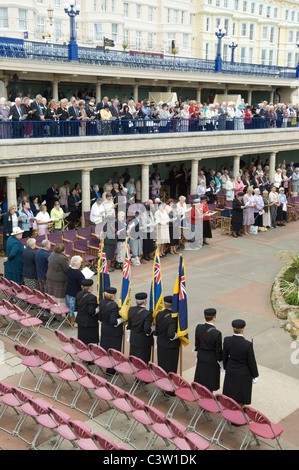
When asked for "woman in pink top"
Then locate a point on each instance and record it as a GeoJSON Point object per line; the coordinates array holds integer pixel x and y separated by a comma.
{"type": "Point", "coordinates": [239, 185]}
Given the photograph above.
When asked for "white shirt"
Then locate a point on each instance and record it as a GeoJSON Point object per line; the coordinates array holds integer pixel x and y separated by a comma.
{"type": "Point", "coordinates": [43, 217]}
{"type": "Point", "coordinates": [97, 213]}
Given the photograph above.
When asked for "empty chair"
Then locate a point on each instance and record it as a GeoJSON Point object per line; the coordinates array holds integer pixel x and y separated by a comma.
{"type": "Point", "coordinates": [231, 414]}
{"type": "Point", "coordinates": [66, 375]}
{"type": "Point", "coordinates": [102, 394]}
{"type": "Point", "coordinates": [48, 369]}
{"type": "Point", "coordinates": [30, 299]}
{"type": "Point", "coordinates": [19, 294]}
{"type": "Point", "coordinates": [43, 305]}
{"type": "Point", "coordinates": [159, 427]}
{"type": "Point", "coordinates": [62, 428]}
{"type": "Point", "coordinates": [142, 373]}
{"type": "Point", "coordinates": [67, 347]}
{"type": "Point", "coordinates": [10, 293]}
{"type": "Point", "coordinates": [183, 440]}
{"type": "Point", "coordinates": [121, 365]}
{"type": "Point", "coordinates": [162, 382]}
{"type": "Point", "coordinates": [260, 426]}
{"type": "Point", "coordinates": [139, 416]}
{"type": "Point", "coordinates": [28, 325]}
{"type": "Point", "coordinates": [55, 237]}
{"type": "Point", "coordinates": [207, 405]}
{"type": "Point", "coordinates": [5, 311]}
{"type": "Point", "coordinates": [83, 232]}
{"type": "Point", "coordinates": [69, 235]}
{"type": "Point", "coordinates": [183, 393]}
{"type": "Point", "coordinates": [58, 312]}
{"type": "Point", "coordinates": [82, 351]}
{"type": "Point", "coordinates": [103, 442]}
{"type": "Point", "coordinates": [29, 361]}
{"type": "Point", "coordinates": [100, 357]}
{"type": "Point", "coordinates": [10, 401]}
{"type": "Point", "coordinates": [84, 438]}
{"type": "Point", "coordinates": [44, 420]}
{"type": "Point", "coordinates": [120, 404]}
{"type": "Point", "coordinates": [81, 248]}
{"type": "Point", "coordinates": [84, 381]}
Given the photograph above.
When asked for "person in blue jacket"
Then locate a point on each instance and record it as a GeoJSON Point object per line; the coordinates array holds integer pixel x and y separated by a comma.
{"type": "Point", "coordinates": [13, 262]}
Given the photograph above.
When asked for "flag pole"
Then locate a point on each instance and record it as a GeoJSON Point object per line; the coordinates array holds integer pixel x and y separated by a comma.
{"type": "Point", "coordinates": [99, 269]}
{"type": "Point", "coordinates": [181, 359]}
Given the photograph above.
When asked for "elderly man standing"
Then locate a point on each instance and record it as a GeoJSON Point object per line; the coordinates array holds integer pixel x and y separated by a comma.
{"type": "Point", "coordinates": [38, 116]}
{"type": "Point", "coordinates": [42, 261]}
{"type": "Point", "coordinates": [17, 116]}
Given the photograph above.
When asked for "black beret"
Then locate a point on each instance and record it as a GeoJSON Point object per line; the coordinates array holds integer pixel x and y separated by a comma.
{"type": "Point", "coordinates": [238, 324]}
{"type": "Point", "coordinates": [87, 282]}
{"type": "Point", "coordinates": [168, 299]}
{"type": "Point", "coordinates": [111, 290]}
{"type": "Point", "coordinates": [210, 312]}
{"type": "Point", "coordinates": [240, 194]}
{"type": "Point", "coordinates": [203, 197]}
{"type": "Point", "coordinates": [141, 296]}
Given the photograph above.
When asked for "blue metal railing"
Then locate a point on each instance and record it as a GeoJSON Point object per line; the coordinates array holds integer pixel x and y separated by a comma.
{"type": "Point", "coordinates": [59, 129]}
{"type": "Point", "coordinates": [20, 49]}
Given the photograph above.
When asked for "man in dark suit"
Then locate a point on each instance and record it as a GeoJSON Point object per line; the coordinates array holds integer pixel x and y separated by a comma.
{"type": "Point", "coordinates": [239, 364]}
{"type": "Point", "coordinates": [74, 112]}
{"type": "Point", "coordinates": [17, 116]}
{"type": "Point", "coordinates": [168, 345]}
{"type": "Point", "coordinates": [102, 103]}
{"type": "Point", "coordinates": [208, 345]}
{"type": "Point", "coordinates": [73, 204]}
{"type": "Point", "coordinates": [114, 109]}
{"type": "Point", "coordinates": [38, 116]}
{"type": "Point", "coordinates": [52, 197]}
{"type": "Point", "coordinates": [140, 322]}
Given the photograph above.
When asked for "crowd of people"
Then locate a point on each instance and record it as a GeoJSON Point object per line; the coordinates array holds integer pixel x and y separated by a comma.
{"type": "Point", "coordinates": [44, 116]}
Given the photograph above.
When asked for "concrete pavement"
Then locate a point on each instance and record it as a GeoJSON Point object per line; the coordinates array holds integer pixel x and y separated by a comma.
{"type": "Point", "coordinates": [234, 276]}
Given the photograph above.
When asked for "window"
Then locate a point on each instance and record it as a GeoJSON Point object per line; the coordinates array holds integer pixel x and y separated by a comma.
{"type": "Point", "coordinates": [251, 31]}
{"type": "Point", "coordinates": [261, 10]}
{"type": "Point", "coordinates": [112, 6]}
{"type": "Point", "coordinates": [95, 5]}
{"type": "Point", "coordinates": [286, 15]}
{"type": "Point", "coordinates": [271, 55]}
{"type": "Point", "coordinates": [138, 40]}
{"type": "Point", "coordinates": [225, 52]}
{"type": "Point", "coordinates": [104, 5]}
{"type": "Point", "coordinates": [268, 12]}
{"type": "Point", "coordinates": [236, 5]}
{"type": "Point", "coordinates": [291, 36]}
{"type": "Point", "coordinates": [114, 32]}
{"type": "Point", "coordinates": [40, 26]}
{"type": "Point", "coordinates": [208, 24]}
{"type": "Point", "coordinates": [234, 29]}
{"type": "Point", "coordinates": [250, 55]}
{"type": "Point", "coordinates": [272, 34]}
{"type": "Point", "coordinates": [225, 3]}
{"type": "Point", "coordinates": [126, 37]}
{"type": "Point", "coordinates": [293, 16]}
{"type": "Point", "coordinates": [185, 42]}
{"type": "Point", "coordinates": [252, 8]}
{"type": "Point", "coordinates": [226, 26]}
{"type": "Point", "coordinates": [275, 12]}
{"type": "Point", "coordinates": [150, 13]}
{"type": "Point", "coordinates": [57, 3]}
{"type": "Point", "coordinates": [175, 16]}
{"type": "Point", "coordinates": [168, 15]}
{"type": "Point", "coordinates": [217, 3]}
{"type": "Point", "coordinates": [98, 32]}
{"type": "Point", "coordinates": [263, 56]}
{"type": "Point", "coordinates": [207, 51]}
{"type": "Point", "coordinates": [150, 40]}
{"type": "Point", "coordinates": [22, 20]}
{"type": "Point", "coordinates": [289, 59]}
{"type": "Point", "coordinates": [243, 55]}
{"type": "Point", "coordinates": [297, 36]}
{"type": "Point", "coordinates": [243, 29]}
{"type": "Point", "coordinates": [58, 29]}
{"type": "Point", "coordinates": [245, 4]}
{"type": "Point", "coordinates": [170, 38]}
{"type": "Point", "coordinates": [265, 32]}
{"type": "Point", "coordinates": [3, 18]}
{"type": "Point", "coordinates": [138, 12]}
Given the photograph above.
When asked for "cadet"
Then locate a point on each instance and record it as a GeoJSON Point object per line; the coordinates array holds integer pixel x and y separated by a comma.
{"type": "Point", "coordinates": [112, 329]}
{"type": "Point", "coordinates": [168, 345]}
{"type": "Point", "coordinates": [239, 364]}
{"type": "Point", "coordinates": [140, 323]}
{"type": "Point", "coordinates": [208, 344]}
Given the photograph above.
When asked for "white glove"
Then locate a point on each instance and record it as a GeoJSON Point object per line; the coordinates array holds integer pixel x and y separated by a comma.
{"type": "Point", "coordinates": [254, 380]}
{"type": "Point", "coordinates": [119, 322]}
{"type": "Point", "coordinates": [221, 365]}
{"type": "Point", "coordinates": [128, 335]}
{"type": "Point", "coordinates": [175, 337]}
{"type": "Point", "coordinates": [153, 329]}
{"type": "Point", "coordinates": [194, 353]}
{"type": "Point", "coordinates": [97, 309]}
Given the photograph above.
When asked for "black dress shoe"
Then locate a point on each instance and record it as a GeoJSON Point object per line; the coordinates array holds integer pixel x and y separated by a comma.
{"type": "Point", "coordinates": [206, 243]}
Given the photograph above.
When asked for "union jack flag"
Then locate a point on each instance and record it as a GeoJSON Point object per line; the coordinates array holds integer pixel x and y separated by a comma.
{"type": "Point", "coordinates": [103, 273]}
{"type": "Point", "coordinates": [156, 303]}
{"type": "Point", "coordinates": [179, 304]}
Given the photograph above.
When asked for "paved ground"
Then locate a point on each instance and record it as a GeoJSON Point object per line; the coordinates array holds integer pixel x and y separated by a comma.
{"type": "Point", "coordinates": [234, 276]}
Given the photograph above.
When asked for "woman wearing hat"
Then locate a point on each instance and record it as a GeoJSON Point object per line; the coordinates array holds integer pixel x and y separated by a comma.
{"type": "Point", "coordinates": [237, 215]}
{"type": "Point", "coordinates": [239, 364]}
{"type": "Point", "coordinates": [86, 310]}
{"type": "Point", "coordinates": [10, 222]}
{"type": "Point", "coordinates": [13, 262]}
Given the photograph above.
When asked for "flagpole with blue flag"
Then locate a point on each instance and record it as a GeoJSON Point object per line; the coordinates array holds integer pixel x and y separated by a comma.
{"type": "Point", "coordinates": [103, 273]}
{"type": "Point", "coordinates": [124, 302]}
{"type": "Point", "coordinates": [156, 295]}
{"type": "Point", "coordinates": [180, 307]}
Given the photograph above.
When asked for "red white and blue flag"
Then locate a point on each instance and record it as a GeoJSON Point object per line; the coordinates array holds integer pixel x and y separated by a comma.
{"type": "Point", "coordinates": [180, 305]}
{"type": "Point", "coordinates": [156, 303]}
{"type": "Point", "coordinates": [124, 302]}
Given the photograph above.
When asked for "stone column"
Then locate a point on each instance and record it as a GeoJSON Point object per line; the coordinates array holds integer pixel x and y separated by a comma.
{"type": "Point", "coordinates": [194, 177]}
{"type": "Point", "coordinates": [169, 89]}
{"type": "Point", "coordinates": [236, 167]}
{"type": "Point", "coordinates": [135, 93]}
{"type": "Point", "coordinates": [144, 183]}
{"type": "Point", "coordinates": [98, 91]}
{"type": "Point", "coordinates": [55, 93]}
{"type": "Point", "coordinates": [249, 98]}
{"type": "Point", "coordinates": [198, 95]}
{"type": "Point", "coordinates": [271, 97]}
{"type": "Point", "coordinates": [272, 165]}
{"type": "Point", "coordinates": [85, 177]}
{"type": "Point", "coordinates": [11, 190]}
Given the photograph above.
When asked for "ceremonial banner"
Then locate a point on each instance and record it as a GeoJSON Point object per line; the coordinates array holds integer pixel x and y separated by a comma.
{"type": "Point", "coordinates": [179, 304]}
{"type": "Point", "coordinates": [103, 272]}
{"type": "Point", "coordinates": [156, 294]}
{"type": "Point", "coordinates": [124, 302]}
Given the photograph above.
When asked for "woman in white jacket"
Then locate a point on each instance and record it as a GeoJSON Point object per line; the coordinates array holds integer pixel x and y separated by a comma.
{"type": "Point", "coordinates": [239, 118]}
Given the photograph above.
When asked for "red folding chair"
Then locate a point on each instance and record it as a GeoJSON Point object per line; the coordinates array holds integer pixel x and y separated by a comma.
{"type": "Point", "coordinates": [57, 312]}
{"type": "Point", "coordinates": [82, 351]}
{"type": "Point", "coordinates": [66, 375]}
{"type": "Point", "coordinates": [29, 361]}
{"type": "Point", "coordinates": [183, 392]}
{"type": "Point", "coordinates": [43, 420]}
{"type": "Point", "coordinates": [43, 305]}
{"type": "Point", "coordinates": [48, 369]}
{"type": "Point", "coordinates": [181, 438]}
{"type": "Point", "coordinates": [142, 373]}
{"type": "Point", "coordinates": [260, 426]}
{"type": "Point", "coordinates": [67, 347]}
{"type": "Point", "coordinates": [84, 438]}
{"type": "Point", "coordinates": [28, 325]}
{"type": "Point", "coordinates": [62, 429]}
{"type": "Point", "coordinates": [138, 415]}
{"type": "Point", "coordinates": [13, 319]}
{"type": "Point", "coordinates": [159, 427]}
{"type": "Point", "coordinates": [104, 443]}
{"type": "Point", "coordinates": [10, 401]}
{"type": "Point", "coordinates": [163, 384]}
{"type": "Point", "coordinates": [207, 406]}
{"type": "Point", "coordinates": [85, 384]}
{"type": "Point", "coordinates": [100, 358]}
{"type": "Point", "coordinates": [4, 311]}
{"type": "Point", "coordinates": [231, 414]}
{"type": "Point", "coordinates": [121, 365]}
{"type": "Point", "coordinates": [120, 404]}
{"type": "Point", "coordinates": [102, 394]}
{"type": "Point", "coordinates": [19, 294]}
{"type": "Point", "coordinates": [10, 293]}
{"type": "Point", "coordinates": [30, 299]}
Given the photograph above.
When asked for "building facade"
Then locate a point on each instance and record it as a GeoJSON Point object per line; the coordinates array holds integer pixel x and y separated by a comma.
{"type": "Point", "coordinates": [266, 32]}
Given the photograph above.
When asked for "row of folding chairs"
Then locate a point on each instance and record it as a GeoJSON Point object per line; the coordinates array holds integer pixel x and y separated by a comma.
{"type": "Point", "coordinates": [47, 417]}
{"type": "Point", "coordinates": [206, 403]}
{"type": "Point", "coordinates": [16, 295]}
